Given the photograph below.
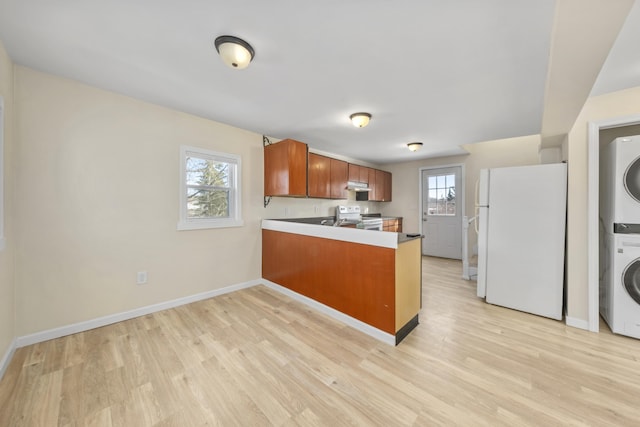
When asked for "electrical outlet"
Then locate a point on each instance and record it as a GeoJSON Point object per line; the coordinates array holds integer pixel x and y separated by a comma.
{"type": "Point", "coordinates": [141, 278]}
{"type": "Point", "coordinates": [286, 211]}
{"type": "Point", "coordinates": [316, 209]}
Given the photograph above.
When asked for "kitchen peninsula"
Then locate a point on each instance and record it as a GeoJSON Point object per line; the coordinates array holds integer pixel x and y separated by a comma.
{"type": "Point", "coordinates": [372, 277]}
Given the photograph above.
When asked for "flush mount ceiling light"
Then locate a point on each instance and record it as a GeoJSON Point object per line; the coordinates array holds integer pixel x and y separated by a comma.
{"type": "Point", "coordinates": [235, 52]}
{"type": "Point", "coordinates": [414, 146]}
{"type": "Point", "coordinates": [360, 120]}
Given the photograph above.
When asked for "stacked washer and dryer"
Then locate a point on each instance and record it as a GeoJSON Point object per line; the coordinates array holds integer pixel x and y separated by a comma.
{"type": "Point", "coordinates": [620, 231]}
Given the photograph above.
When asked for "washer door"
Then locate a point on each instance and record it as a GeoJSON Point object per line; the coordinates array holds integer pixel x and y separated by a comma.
{"type": "Point", "coordinates": [632, 179]}
{"type": "Point", "coordinates": [631, 280]}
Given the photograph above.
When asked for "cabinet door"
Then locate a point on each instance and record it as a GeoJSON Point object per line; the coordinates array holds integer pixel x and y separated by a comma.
{"type": "Point", "coordinates": [386, 196]}
{"type": "Point", "coordinates": [319, 176]}
{"type": "Point", "coordinates": [354, 172]}
{"type": "Point", "coordinates": [373, 194]}
{"type": "Point", "coordinates": [379, 185]}
{"type": "Point", "coordinates": [339, 176]}
{"type": "Point", "coordinates": [285, 169]}
{"type": "Point", "coordinates": [364, 174]}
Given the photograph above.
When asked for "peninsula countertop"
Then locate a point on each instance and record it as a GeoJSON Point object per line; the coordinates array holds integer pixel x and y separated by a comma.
{"type": "Point", "coordinates": [385, 239]}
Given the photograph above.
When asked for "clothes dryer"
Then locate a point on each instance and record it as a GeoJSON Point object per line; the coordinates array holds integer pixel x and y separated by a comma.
{"type": "Point", "coordinates": [624, 314]}
{"type": "Point", "coordinates": [620, 183]}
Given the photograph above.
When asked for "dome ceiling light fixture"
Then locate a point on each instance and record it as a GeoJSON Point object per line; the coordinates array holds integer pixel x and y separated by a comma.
{"type": "Point", "coordinates": [235, 52]}
{"type": "Point", "coordinates": [360, 120]}
{"type": "Point", "coordinates": [414, 146]}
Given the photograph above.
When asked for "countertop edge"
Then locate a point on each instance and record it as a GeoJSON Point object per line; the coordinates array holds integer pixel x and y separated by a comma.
{"type": "Point", "coordinates": [384, 239]}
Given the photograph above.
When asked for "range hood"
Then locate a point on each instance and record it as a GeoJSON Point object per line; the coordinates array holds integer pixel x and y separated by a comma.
{"type": "Point", "coordinates": [358, 186]}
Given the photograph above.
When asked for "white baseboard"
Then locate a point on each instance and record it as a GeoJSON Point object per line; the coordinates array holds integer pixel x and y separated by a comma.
{"type": "Point", "coordinates": [118, 317]}
{"type": "Point", "coordinates": [6, 359]}
{"type": "Point", "coordinates": [142, 311]}
{"type": "Point", "coordinates": [576, 323]}
{"type": "Point", "coordinates": [331, 312]}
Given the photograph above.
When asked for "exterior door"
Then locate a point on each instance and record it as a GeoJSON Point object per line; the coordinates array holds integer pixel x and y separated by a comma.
{"type": "Point", "coordinates": [441, 212]}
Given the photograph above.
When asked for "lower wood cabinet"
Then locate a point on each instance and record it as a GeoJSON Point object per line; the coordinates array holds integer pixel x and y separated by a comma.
{"type": "Point", "coordinates": [392, 224]}
{"type": "Point", "coordinates": [379, 286]}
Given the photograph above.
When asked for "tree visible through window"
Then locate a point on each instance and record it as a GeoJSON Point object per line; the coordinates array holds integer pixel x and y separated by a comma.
{"type": "Point", "coordinates": [442, 195]}
{"type": "Point", "coordinates": [209, 190]}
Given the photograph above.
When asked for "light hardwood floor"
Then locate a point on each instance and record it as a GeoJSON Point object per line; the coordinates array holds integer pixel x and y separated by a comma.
{"type": "Point", "coordinates": [255, 357]}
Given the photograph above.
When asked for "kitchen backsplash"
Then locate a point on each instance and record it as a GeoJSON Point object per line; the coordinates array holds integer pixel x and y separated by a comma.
{"type": "Point", "coordinates": [291, 207]}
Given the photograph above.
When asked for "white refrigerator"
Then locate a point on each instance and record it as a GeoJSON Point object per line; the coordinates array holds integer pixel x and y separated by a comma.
{"type": "Point", "coordinates": [521, 237]}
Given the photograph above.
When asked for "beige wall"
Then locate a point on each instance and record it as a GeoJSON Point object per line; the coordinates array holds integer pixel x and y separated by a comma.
{"type": "Point", "coordinates": [609, 106]}
{"type": "Point", "coordinates": [490, 154]}
{"type": "Point", "coordinates": [98, 185]}
{"type": "Point", "coordinates": [608, 135]}
{"type": "Point", "coordinates": [7, 289]}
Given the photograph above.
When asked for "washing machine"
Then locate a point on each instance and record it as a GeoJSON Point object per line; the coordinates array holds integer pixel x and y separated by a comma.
{"type": "Point", "coordinates": [620, 183]}
{"type": "Point", "coordinates": [621, 302]}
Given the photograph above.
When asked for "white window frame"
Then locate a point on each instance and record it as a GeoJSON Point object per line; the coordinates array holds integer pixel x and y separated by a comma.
{"type": "Point", "coordinates": [2, 238]}
{"type": "Point", "coordinates": [235, 193]}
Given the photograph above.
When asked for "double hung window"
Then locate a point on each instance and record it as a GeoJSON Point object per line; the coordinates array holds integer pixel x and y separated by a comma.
{"type": "Point", "coordinates": [209, 189]}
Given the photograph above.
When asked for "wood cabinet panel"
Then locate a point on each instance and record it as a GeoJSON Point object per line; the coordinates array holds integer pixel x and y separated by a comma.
{"type": "Point", "coordinates": [364, 174]}
{"type": "Point", "coordinates": [339, 177]}
{"type": "Point", "coordinates": [392, 224]}
{"type": "Point", "coordinates": [354, 172]}
{"type": "Point", "coordinates": [327, 177]}
{"type": "Point", "coordinates": [360, 282]}
{"type": "Point", "coordinates": [372, 184]}
{"type": "Point", "coordinates": [285, 169]}
{"type": "Point", "coordinates": [358, 173]}
{"type": "Point", "coordinates": [386, 192]}
{"type": "Point", "coordinates": [319, 176]}
{"type": "Point", "coordinates": [380, 184]}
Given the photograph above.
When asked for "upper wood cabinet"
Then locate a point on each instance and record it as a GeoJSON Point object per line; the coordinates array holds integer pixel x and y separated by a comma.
{"type": "Point", "coordinates": [380, 186]}
{"type": "Point", "coordinates": [358, 173]}
{"type": "Point", "coordinates": [372, 184]}
{"type": "Point", "coordinates": [290, 170]}
{"type": "Point", "coordinates": [354, 172]}
{"type": "Point", "coordinates": [339, 177]}
{"type": "Point", "coordinates": [386, 192]}
{"type": "Point", "coordinates": [285, 169]}
{"type": "Point", "coordinates": [319, 176]}
{"type": "Point", "coordinates": [327, 177]}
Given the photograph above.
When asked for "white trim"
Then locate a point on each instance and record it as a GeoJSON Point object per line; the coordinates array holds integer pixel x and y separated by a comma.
{"type": "Point", "coordinates": [462, 204]}
{"type": "Point", "coordinates": [577, 323]}
{"type": "Point", "coordinates": [331, 312]}
{"type": "Point", "coordinates": [235, 202]}
{"type": "Point", "coordinates": [126, 315]}
{"type": "Point", "coordinates": [6, 359]}
{"type": "Point", "coordinates": [593, 206]}
{"type": "Point", "coordinates": [142, 311]}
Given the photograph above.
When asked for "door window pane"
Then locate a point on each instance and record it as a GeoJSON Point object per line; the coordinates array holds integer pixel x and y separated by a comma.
{"type": "Point", "coordinates": [442, 195]}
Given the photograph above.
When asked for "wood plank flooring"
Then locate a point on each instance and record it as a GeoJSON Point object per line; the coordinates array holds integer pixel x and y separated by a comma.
{"type": "Point", "coordinates": [257, 358]}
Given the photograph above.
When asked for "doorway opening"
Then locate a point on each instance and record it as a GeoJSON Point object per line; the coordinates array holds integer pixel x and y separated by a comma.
{"type": "Point", "coordinates": [593, 212]}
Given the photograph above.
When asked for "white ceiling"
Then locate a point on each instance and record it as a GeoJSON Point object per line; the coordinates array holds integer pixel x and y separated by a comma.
{"type": "Point", "coordinates": [445, 73]}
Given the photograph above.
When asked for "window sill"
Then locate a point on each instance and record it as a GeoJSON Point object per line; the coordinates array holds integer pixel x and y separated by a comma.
{"type": "Point", "coordinates": [204, 224]}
